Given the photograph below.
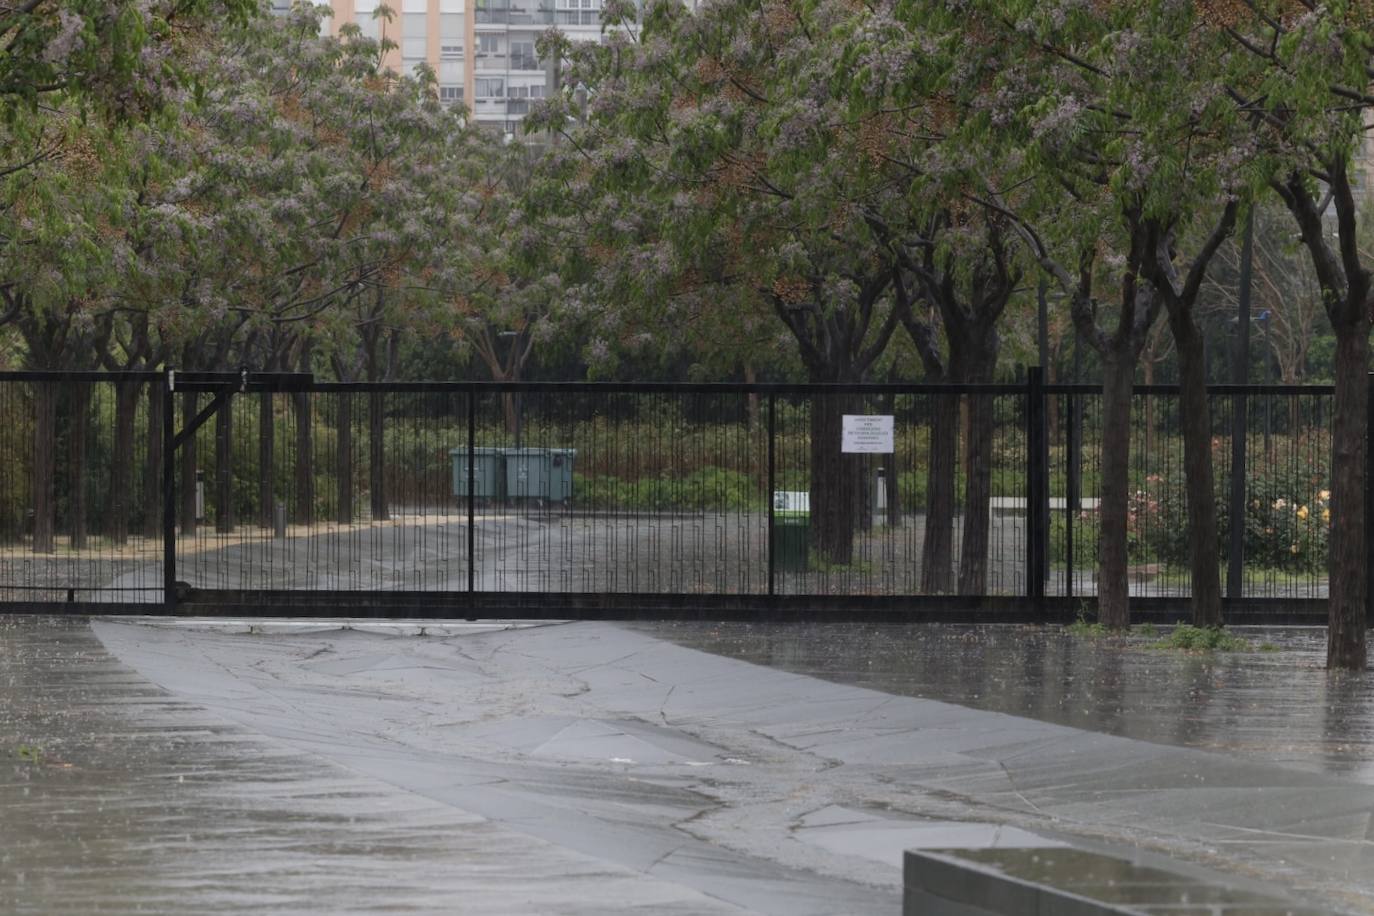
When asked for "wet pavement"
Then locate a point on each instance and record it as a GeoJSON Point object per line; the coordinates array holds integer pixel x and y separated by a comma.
{"type": "Point", "coordinates": [601, 768]}
{"type": "Point", "coordinates": [119, 797]}
{"type": "Point", "coordinates": [1279, 704]}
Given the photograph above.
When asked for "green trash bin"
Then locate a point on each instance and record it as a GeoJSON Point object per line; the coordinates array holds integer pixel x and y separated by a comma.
{"type": "Point", "coordinates": [488, 474]}
{"type": "Point", "coordinates": [540, 474]}
{"type": "Point", "coordinates": [561, 474]}
{"type": "Point", "coordinates": [791, 539]}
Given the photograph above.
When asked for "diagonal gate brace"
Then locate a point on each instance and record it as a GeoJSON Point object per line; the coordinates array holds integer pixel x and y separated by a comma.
{"type": "Point", "coordinates": [172, 441]}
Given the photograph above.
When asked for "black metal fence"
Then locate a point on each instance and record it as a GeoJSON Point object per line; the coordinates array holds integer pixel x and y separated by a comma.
{"type": "Point", "coordinates": [258, 493]}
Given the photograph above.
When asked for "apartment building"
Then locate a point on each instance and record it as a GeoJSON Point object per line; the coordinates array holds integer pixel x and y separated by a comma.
{"type": "Point", "coordinates": [483, 51]}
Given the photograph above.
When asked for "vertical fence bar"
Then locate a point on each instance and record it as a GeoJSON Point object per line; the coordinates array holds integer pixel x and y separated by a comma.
{"type": "Point", "coordinates": [1235, 557]}
{"type": "Point", "coordinates": [1369, 506]}
{"type": "Point", "coordinates": [1071, 495]}
{"type": "Point", "coordinates": [1037, 487]}
{"type": "Point", "coordinates": [472, 486]}
{"type": "Point", "coordinates": [772, 439]}
{"type": "Point", "coordinates": [169, 500]}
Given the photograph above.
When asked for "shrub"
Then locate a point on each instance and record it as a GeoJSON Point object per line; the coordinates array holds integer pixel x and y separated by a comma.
{"type": "Point", "coordinates": [709, 488]}
{"type": "Point", "coordinates": [1287, 508]}
{"type": "Point", "coordinates": [1203, 639]}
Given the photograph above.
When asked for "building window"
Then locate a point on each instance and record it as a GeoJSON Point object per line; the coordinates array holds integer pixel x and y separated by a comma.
{"type": "Point", "coordinates": [522, 56]}
{"type": "Point", "coordinates": [450, 94]}
{"type": "Point", "coordinates": [488, 44]}
{"type": "Point", "coordinates": [451, 52]}
{"type": "Point", "coordinates": [490, 88]}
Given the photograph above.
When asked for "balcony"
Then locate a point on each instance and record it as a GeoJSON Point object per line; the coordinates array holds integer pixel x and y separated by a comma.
{"type": "Point", "coordinates": [577, 17]}
{"type": "Point", "coordinates": [500, 14]}
{"type": "Point", "coordinates": [512, 15]}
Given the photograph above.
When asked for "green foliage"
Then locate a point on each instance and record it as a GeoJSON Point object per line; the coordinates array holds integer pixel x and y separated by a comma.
{"type": "Point", "coordinates": [1287, 508]}
{"type": "Point", "coordinates": [1189, 638]}
{"type": "Point", "coordinates": [708, 489]}
{"type": "Point", "coordinates": [1087, 629]}
{"type": "Point", "coordinates": [119, 57]}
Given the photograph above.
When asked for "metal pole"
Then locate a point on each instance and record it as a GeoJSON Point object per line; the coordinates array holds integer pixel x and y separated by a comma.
{"type": "Point", "coordinates": [1369, 507]}
{"type": "Point", "coordinates": [472, 485]}
{"type": "Point", "coordinates": [1076, 432]}
{"type": "Point", "coordinates": [1071, 497]}
{"type": "Point", "coordinates": [1235, 565]}
{"type": "Point", "coordinates": [1037, 487]}
{"type": "Point", "coordinates": [169, 500]}
{"type": "Point", "coordinates": [772, 439]}
{"type": "Point", "coordinates": [1043, 321]}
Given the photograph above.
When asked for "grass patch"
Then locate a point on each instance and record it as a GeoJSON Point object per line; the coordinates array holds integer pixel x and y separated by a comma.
{"type": "Point", "coordinates": [818, 562]}
{"type": "Point", "coordinates": [1189, 638]}
{"type": "Point", "coordinates": [1085, 628]}
{"type": "Point", "coordinates": [30, 752]}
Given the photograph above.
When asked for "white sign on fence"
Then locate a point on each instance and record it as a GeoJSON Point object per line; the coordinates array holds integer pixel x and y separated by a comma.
{"type": "Point", "coordinates": [867, 435]}
{"type": "Point", "coordinates": [792, 500]}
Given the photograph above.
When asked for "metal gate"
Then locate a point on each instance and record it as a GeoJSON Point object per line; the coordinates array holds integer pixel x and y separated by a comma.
{"type": "Point", "coordinates": [252, 493]}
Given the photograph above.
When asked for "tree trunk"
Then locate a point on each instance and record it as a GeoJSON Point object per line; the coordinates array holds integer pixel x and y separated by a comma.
{"type": "Point", "coordinates": [376, 444]}
{"type": "Point", "coordinates": [937, 550]}
{"type": "Point", "coordinates": [343, 467]}
{"type": "Point", "coordinates": [1196, 422]}
{"type": "Point", "coordinates": [834, 481]}
{"type": "Point", "coordinates": [224, 468]}
{"type": "Point", "coordinates": [267, 436]}
{"type": "Point", "coordinates": [511, 412]}
{"type": "Point", "coordinates": [973, 547]}
{"type": "Point", "coordinates": [1346, 638]}
{"type": "Point", "coordinates": [304, 509]}
{"type": "Point", "coordinates": [1113, 607]}
{"type": "Point", "coordinates": [751, 400]}
{"type": "Point", "coordinates": [78, 428]}
{"type": "Point", "coordinates": [190, 406]}
{"type": "Point", "coordinates": [152, 471]}
{"type": "Point", "coordinates": [44, 472]}
{"type": "Point", "coordinates": [122, 462]}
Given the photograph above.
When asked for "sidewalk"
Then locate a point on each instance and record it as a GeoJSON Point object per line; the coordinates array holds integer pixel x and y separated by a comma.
{"type": "Point", "coordinates": [573, 768]}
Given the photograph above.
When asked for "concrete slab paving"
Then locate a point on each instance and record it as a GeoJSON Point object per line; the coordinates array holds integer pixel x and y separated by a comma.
{"type": "Point", "coordinates": [119, 797]}
{"type": "Point", "coordinates": [719, 785]}
{"type": "Point", "coordinates": [782, 746]}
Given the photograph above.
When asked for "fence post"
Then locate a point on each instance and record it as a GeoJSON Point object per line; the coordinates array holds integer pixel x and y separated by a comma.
{"type": "Point", "coordinates": [169, 500]}
{"type": "Point", "coordinates": [772, 437]}
{"type": "Point", "coordinates": [1037, 488]}
{"type": "Point", "coordinates": [1071, 494]}
{"type": "Point", "coordinates": [472, 486]}
{"type": "Point", "coordinates": [1235, 558]}
{"type": "Point", "coordinates": [1369, 507]}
